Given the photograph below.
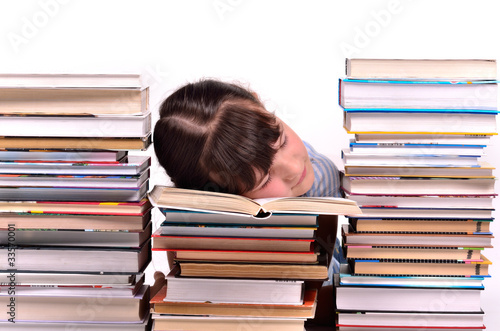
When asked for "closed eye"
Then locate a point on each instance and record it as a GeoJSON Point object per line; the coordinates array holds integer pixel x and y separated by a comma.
{"type": "Point", "coordinates": [285, 141]}
{"type": "Point", "coordinates": [268, 181]}
{"type": "Point", "coordinates": [269, 177]}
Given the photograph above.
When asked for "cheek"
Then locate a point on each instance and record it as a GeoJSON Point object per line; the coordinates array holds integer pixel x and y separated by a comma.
{"type": "Point", "coordinates": [307, 183]}
{"type": "Point", "coordinates": [275, 190]}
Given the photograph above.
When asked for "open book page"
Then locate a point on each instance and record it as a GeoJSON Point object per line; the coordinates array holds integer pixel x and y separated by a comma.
{"type": "Point", "coordinates": [176, 198]}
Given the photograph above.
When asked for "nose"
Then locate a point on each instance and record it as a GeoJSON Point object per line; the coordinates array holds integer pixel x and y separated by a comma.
{"type": "Point", "coordinates": [287, 168]}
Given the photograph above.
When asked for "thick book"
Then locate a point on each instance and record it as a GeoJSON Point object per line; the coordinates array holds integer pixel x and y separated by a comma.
{"type": "Point", "coordinates": [171, 197]}
{"type": "Point", "coordinates": [403, 328]}
{"type": "Point", "coordinates": [415, 239]}
{"type": "Point", "coordinates": [437, 123]}
{"type": "Point", "coordinates": [144, 325]}
{"type": "Point", "coordinates": [438, 69]}
{"type": "Point", "coordinates": [77, 143]}
{"type": "Point", "coordinates": [74, 100]}
{"type": "Point", "coordinates": [253, 270]}
{"type": "Point", "coordinates": [76, 259]}
{"type": "Point", "coordinates": [406, 319]}
{"type": "Point", "coordinates": [242, 256]}
{"type": "Point", "coordinates": [77, 278]}
{"type": "Point", "coordinates": [74, 181]}
{"type": "Point", "coordinates": [131, 165]}
{"type": "Point", "coordinates": [61, 155]}
{"type": "Point", "coordinates": [408, 138]}
{"type": "Point", "coordinates": [408, 212]}
{"type": "Point", "coordinates": [59, 221]}
{"type": "Point", "coordinates": [445, 225]}
{"type": "Point", "coordinates": [54, 193]}
{"type": "Point", "coordinates": [370, 252]}
{"type": "Point", "coordinates": [236, 243]}
{"type": "Point", "coordinates": [416, 267]}
{"type": "Point", "coordinates": [218, 323]}
{"type": "Point", "coordinates": [71, 80]}
{"type": "Point", "coordinates": [415, 148]}
{"type": "Point", "coordinates": [47, 307]}
{"type": "Point", "coordinates": [78, 126]}
{"type": "Point", "coordinates": [77, 207]}
{"type": "Point", "coordinates": [365, 185]}
{"type": "Point", "coordinates": [239, 230]}
{"type": "Point", "coordinates": [65, 291]}
{"type": "Point", "coordinates": [200, 217]}
{"type": "Point", "coordinates": [421, 96]}
{"type": "Point", "coordinates": [481, 170]}
{"type": "Point", "coordinates": [400, 159]}
{"type": "Point", "coordinates": [306, 309]}
{"type": "Point", "coordinates": [349, 279]}
{"type": "Point", "coordinates": [438, 201]}
{"type": "Point", "coordinates": [245, 291]}
{"type": "Point", "coordinates": [88, 238]}
{"type": "Point", "coordinates": [408, 299]}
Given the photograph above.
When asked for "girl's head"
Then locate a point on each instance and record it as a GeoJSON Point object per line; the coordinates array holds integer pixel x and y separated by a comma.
{"type": "Point", "coordinates": [217, 136]}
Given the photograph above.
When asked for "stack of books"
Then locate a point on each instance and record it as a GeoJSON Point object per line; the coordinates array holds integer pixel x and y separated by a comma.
{"type": "Point", "coordinates": [75, 221]}
{"type": "Point", "coordinates": [415, 167]}
{"type": "Point", "coordinates": [239, 263]}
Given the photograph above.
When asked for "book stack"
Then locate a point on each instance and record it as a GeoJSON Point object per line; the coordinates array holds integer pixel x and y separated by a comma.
{"type": "Point", "coordinates": [239, 263]}
{"type": "Point", "coordinates": [415, 167]}
{"type": "Point", "coordinates": [74, 216]}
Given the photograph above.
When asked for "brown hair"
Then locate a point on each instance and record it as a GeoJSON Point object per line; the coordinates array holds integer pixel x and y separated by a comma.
{"type": "Point", "coordinates": [213, 135]}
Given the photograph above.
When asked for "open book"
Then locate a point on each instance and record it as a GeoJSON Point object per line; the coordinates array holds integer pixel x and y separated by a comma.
{"type": "Point", "coordinates": [177, 198]}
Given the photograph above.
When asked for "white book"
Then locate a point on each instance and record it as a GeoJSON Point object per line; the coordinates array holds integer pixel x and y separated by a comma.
{"type": "Point", "coordinates": [93, 181]}
{"type": "Point", "coordinates": [411, 319]}
{"type": "Point", "coordinates": [69, 260]}
{"type": "Point", "coordinates": [72, 325]}
{"type": "Point", "coordinates": [182, 229]}
{"type": "Point", "coordinates": [416, 149]}
{"type": "Point", "coordinates": [392, 159]}
{"type": "Point", "coordinates": [73, 238]}
{"type": "Point", "coordinates": [418, 186]}
{"type": "Point", "coordinates": [223, 290]}
{"type": "Point", "coordinates": [472, 202]}
{"type": "Point", "coordinates": [455, 69]}
{"type": "Point", "coordinates": [71, 80]}
{"type": "Point", "coordinates": [71, 279]}
{"type": "Point", "coordinates": [102, 194]}
{"type": "Point", "coordinates": [405, 138]}
{"type": "Point", "coordinates": [132, 165]}
{"type": "Point", "coordinates": [432, 95]}
{"type": "Point", "coordinates": [62, 155]}
{"type": "Point", "coordinates": [408, 299]}
{"type": "Point", "coordinates": [56, 308]}
{"type": "Point", "coordinates": [431, 123]}
{"type": "Point", "coordinates": [101, 126]}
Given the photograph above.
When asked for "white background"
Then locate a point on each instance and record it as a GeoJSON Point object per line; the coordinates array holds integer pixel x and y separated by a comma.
{"type": "Point", "coordinates": [290, 52]}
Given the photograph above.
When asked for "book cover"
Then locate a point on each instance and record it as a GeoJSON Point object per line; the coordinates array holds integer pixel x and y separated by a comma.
{"type": "Point", "coordinates": [236, 243]}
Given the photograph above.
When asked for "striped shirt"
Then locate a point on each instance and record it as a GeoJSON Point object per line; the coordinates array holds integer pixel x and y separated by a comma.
{"type": "Point", "coordinates": [326, 184]}
{"type": "Point", "coordinates": [326, 175]}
